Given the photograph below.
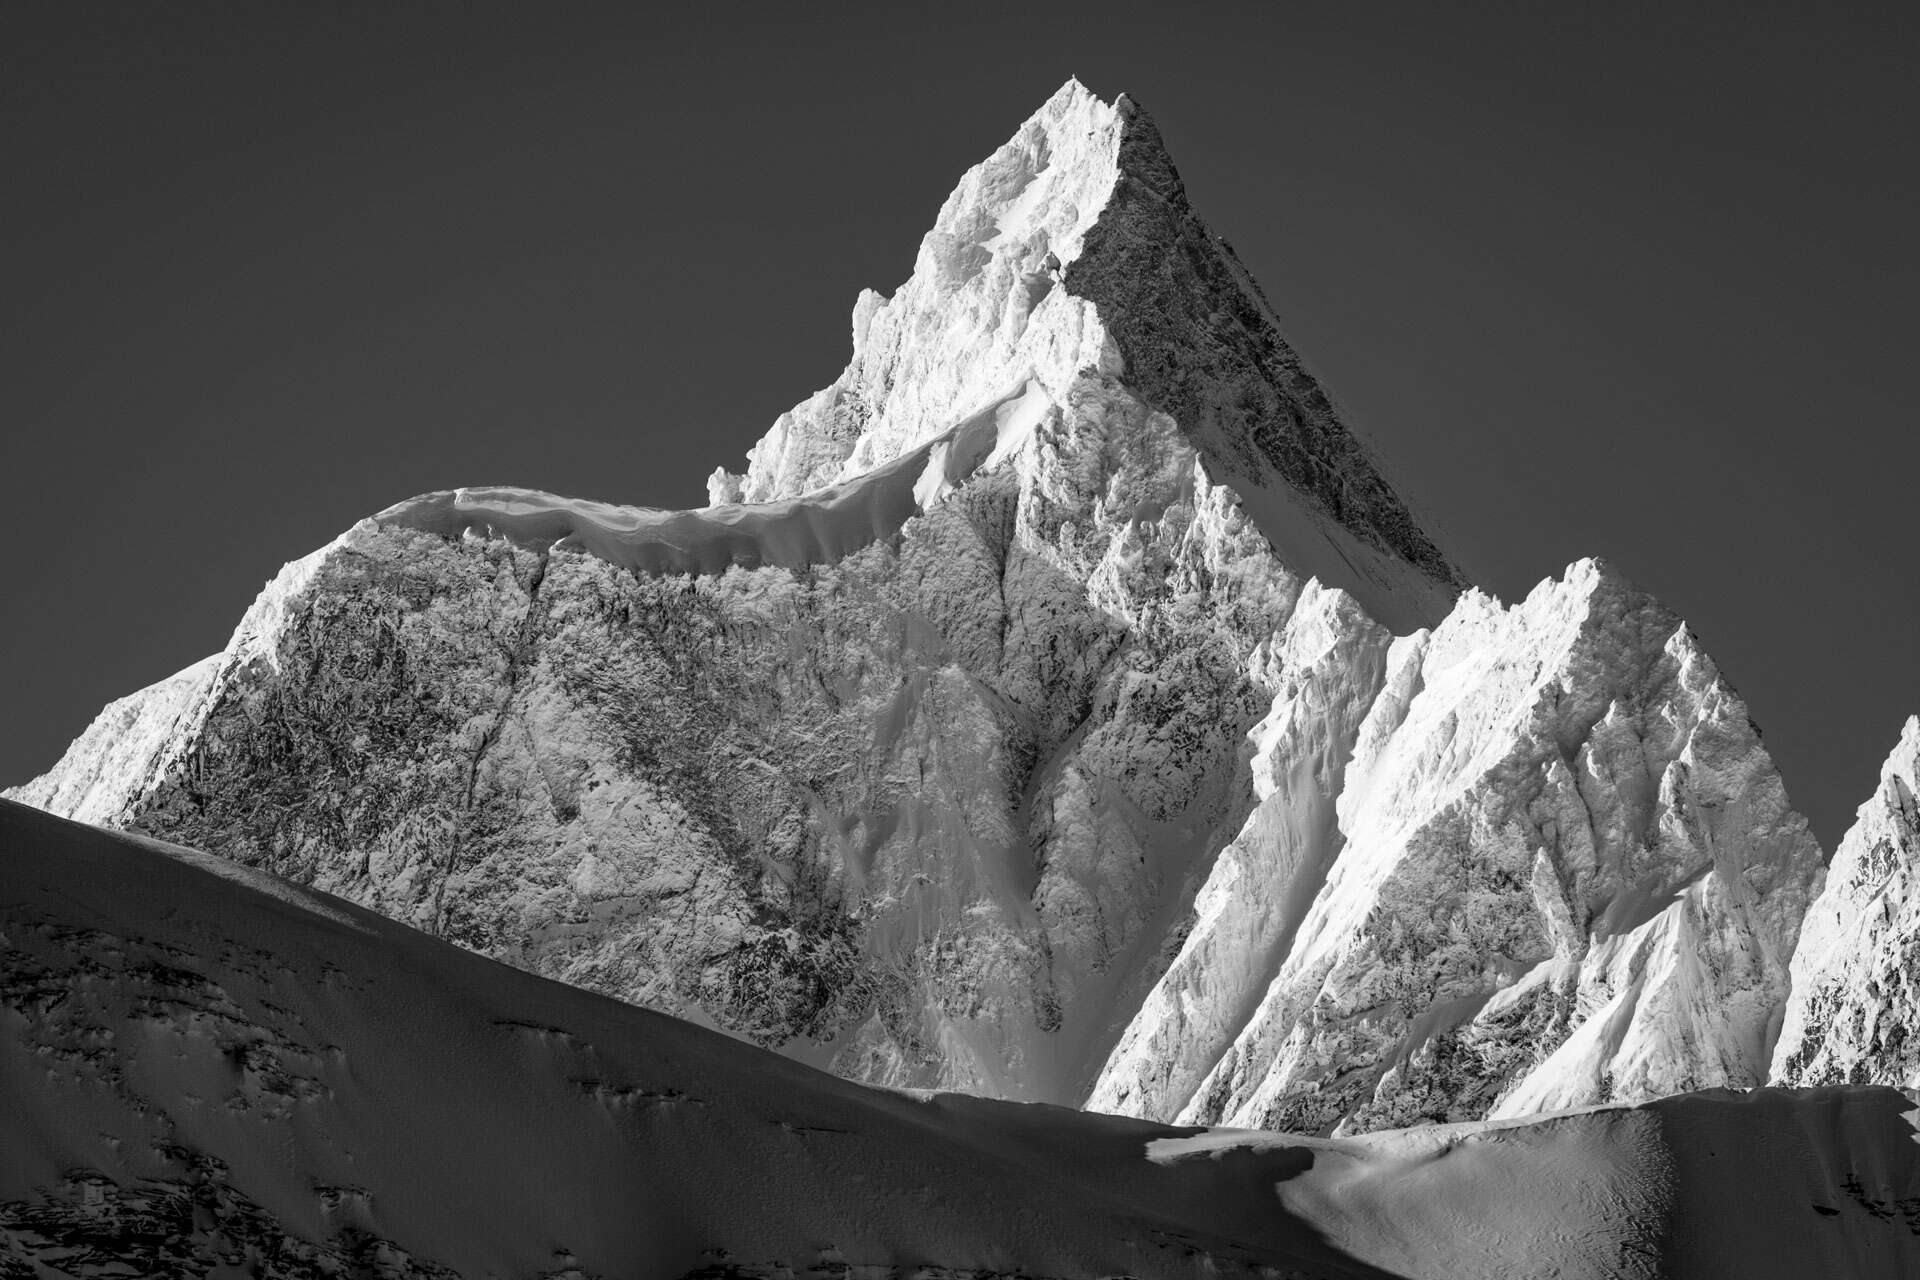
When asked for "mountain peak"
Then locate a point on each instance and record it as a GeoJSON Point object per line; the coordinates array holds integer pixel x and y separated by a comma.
{"type": "Point", "coordinates": [1069, 257]}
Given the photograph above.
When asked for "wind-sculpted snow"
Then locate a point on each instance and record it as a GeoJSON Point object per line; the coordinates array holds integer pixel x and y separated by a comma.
{"type": "Point", "coordinates": [213, 1077]}
{"type": "Point", "coordinates": [1855, 1013]}
{"type": "Point", "coordinates": [1563, 871]}
{"type": "Point", "coordinates": [821, 528]}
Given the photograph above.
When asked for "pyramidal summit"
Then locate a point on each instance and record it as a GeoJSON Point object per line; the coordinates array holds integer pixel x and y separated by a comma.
{"type": "Point", "coordinates": [1060, 706]}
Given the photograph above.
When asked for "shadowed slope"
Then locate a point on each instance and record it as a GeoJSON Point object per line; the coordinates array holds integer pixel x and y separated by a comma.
{"type": "Point", "coordinates": [209, 1068]}
{"type": "Point", "coordinates": [314, 1077]}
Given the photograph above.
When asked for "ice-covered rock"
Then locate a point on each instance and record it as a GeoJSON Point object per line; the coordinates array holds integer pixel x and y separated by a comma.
{"type": "Point", "coordinates": [1327, 665]}
{"type": "Point", "coordinates": [1558, 868]}
{"type": "Point", "coordinates": [1854, 1016]}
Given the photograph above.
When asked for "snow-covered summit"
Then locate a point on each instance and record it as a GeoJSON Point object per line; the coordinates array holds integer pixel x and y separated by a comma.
{"type": "Point", "coordinates": [1072, 251]}
{"type": "Point", "coordinates": [820, 527]}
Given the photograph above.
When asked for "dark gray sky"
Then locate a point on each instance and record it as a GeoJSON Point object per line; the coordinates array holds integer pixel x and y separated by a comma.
{"type": "Point", "coordinates": [1630, 283]}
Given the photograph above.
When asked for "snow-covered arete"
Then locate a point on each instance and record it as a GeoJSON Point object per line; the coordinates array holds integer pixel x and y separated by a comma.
{"type": "Point", "coordinates": [1563, 870]}
{"type": "Point", "coordinates": [1855, 1013]}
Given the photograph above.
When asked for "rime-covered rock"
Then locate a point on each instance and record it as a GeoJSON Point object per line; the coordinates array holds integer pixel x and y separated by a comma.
{"type": "Point", "coordinates": [1855, 1012]}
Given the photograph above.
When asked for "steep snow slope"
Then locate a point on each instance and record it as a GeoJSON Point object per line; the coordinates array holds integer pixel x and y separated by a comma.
{"type": "Point", "coordinates": [212, 1072]}
{"type": "Point", "coordinates": [1560, 869]}
{"type": "Point", "coordinates": [1856, 976]}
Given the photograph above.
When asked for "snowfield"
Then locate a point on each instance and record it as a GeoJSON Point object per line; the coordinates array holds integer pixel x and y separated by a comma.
{"type": "Point", "coordinates": [211, 1073]}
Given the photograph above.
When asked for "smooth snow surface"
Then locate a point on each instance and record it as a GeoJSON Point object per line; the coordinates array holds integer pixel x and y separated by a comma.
{"type": "Point", "coordinates": [210, 1077]}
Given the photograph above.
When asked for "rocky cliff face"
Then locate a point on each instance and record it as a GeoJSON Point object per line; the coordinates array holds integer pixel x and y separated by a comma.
{"type": "Point", "coordinates": [1856, 977]}
{"type": "Point", "coordinates": [1050, 646]}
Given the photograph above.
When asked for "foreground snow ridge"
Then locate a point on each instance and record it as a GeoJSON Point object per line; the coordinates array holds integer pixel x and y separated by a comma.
{"type": "Point", "coordinates": [310, 1089]}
